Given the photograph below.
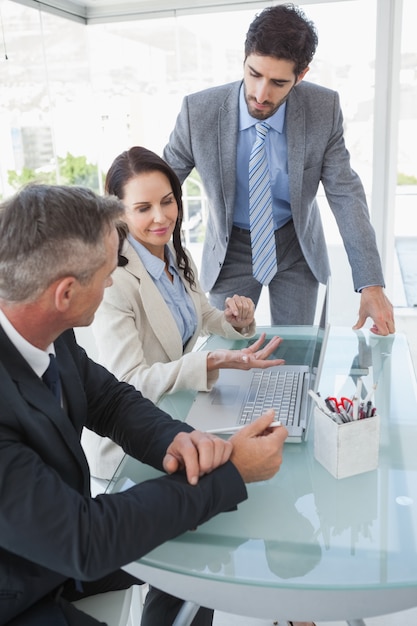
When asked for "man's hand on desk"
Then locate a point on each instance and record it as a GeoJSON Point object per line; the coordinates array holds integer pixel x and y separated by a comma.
{"type": "Point", "coordinates": [375, 304]}
{"type": "Point", "coordinates": [257, 449]}
{"type": "Point", "coordinates": [198, 453]}
{"type": "Point", "coordinates": [256, 355]}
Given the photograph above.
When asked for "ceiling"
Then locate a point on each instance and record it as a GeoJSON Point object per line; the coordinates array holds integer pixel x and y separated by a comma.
{"type": "Point", "coordinates": [99, 11]}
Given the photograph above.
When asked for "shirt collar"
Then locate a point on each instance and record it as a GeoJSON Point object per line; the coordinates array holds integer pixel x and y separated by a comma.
{"type": "Point", "coordinates": [276, 121]}
{"type": "Point", "coordinates": [154, 266]}
{"type": "Point", "coordinates": [37, 359]}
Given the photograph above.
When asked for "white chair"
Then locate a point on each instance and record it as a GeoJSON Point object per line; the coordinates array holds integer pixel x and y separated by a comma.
{"type": "Point", "coordinates": [186, 614]}
{"type": "Point", "coordinates": [115, 608]}
{"type": "Point", "coordinates": [98, 485]}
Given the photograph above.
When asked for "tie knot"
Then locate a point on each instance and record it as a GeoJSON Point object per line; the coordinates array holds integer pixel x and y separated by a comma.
{"type": "Point", "coordinates": [262, 129]}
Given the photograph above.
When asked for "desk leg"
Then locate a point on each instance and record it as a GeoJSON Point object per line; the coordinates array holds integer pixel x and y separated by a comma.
{"type": "Point", "coordinates": [355, 622]}
{"type": "Point", "coordinates": [186, 614]}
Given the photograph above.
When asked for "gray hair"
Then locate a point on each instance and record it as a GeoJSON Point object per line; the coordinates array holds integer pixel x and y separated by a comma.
{"type": "Point", "coordinates": [51, 231]}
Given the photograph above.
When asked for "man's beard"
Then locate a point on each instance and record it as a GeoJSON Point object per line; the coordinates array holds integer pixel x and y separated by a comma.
{"type": "Point", "coordinates": [263, 115]}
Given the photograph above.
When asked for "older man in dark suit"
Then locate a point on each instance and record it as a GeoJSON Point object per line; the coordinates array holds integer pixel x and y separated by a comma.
{"type": "Point", "coordinates": [58, 249]}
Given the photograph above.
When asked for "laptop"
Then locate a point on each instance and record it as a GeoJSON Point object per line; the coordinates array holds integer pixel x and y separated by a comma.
{"type": "Point", "coordinates": [240, 396]}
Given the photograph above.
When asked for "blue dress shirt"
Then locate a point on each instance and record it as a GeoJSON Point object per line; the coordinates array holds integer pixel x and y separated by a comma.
{"type": "Point", "coordinates": [276, 149]}
{"type": "Point", "coordinates": [175, 294]}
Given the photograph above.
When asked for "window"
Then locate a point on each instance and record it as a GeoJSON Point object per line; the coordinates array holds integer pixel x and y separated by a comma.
{"type": "Point", "coordinates": [405, 223]}
{"type": "Point", "coordinates": [74, 96]}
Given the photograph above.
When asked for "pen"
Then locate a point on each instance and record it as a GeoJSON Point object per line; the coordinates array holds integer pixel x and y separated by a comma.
{"type": "Point", "coordinates": [330, 405]}
{"type": "Point", "coordinates": [370, 394]}
{"type": "Point", "coordinates": [235, 429]}
{"type": "Point", "coordinates": [358, 392]}
{"type": "Point", "coordinates": [356, 398]}
{"type": "Point", "coordinates": [326, 407]}
{"type": "Point", "coordinates": [320, 402]}
{"type": "Point", "coordinates": [355, 408]}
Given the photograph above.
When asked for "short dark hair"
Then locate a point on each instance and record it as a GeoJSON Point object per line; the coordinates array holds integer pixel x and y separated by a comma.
{"type": "Point", "coordinates": [138, 160]}
{"type": "Point", "coordinates": [51, 231]}
{"type": "Point", "coordinates": [283, 32]}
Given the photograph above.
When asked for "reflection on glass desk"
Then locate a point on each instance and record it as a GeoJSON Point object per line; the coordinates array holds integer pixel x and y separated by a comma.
{"type": "Point", "coordinates": [306, 545]}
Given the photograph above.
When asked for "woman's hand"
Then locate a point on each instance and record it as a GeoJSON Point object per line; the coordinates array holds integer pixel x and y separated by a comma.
{"type": "Point", "coordinates": [239, 311]}
{"type": "Point", "coordinates": [253, 356]}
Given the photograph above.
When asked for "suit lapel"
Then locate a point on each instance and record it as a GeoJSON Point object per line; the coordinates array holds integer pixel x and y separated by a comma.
{"type": "Point", "coordinates": [37, 396]}
{"type": "Point", "coordinates": [227, 140]}
{"type": "Point", "coordinates": [156, 310]}
{"type": "Point", "coordinates": [296, 139]}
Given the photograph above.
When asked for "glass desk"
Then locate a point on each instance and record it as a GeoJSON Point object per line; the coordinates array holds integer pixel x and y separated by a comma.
{"type": "Point", "coordinates": [306, 545]}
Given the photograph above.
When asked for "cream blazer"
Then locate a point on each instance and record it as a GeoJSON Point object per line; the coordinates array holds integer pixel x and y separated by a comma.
{"type": "Point", "coordinates": [139, 342]}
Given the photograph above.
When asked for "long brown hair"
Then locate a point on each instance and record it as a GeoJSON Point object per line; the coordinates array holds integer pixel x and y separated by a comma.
{"type": "Point", "coordinates": [139, 160]}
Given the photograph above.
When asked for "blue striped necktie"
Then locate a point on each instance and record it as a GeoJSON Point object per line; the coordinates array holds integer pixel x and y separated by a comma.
{"type": "Point", "coordinates": [264, 258]}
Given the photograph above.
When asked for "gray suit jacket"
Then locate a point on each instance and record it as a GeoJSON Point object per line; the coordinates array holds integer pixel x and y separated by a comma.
{"type": "Point", "coordinates": [205, 137]}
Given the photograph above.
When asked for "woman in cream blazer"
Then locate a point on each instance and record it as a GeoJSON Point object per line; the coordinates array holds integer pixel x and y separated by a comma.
{"type": "Point", "coordinates": [137, 335]}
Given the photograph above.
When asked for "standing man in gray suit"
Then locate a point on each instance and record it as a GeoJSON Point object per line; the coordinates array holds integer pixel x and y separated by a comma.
{"type": "Point", "coordinates": [215, 132]}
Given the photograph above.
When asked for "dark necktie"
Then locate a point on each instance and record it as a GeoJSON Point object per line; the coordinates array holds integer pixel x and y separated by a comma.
{"type": "Point", "coordinates": [51, 377]}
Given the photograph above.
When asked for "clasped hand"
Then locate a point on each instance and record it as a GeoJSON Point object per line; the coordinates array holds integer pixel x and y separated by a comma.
{"type": "Point", "coordinates": [239, 311]}
{"type": "Point", "coordinates": [256, 451]}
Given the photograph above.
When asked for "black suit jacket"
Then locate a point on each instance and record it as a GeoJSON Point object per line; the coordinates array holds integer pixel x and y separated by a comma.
{"type": "Point", "coordinates": [50, 527]}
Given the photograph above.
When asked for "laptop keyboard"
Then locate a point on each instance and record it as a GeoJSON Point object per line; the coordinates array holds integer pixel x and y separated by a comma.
{"type": "Point", "coordinates": [272, 390]}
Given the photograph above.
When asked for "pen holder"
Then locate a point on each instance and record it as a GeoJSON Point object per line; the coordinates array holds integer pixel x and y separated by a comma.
{"type": "Point", "coordinates": [346, 449]}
